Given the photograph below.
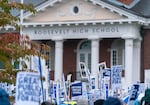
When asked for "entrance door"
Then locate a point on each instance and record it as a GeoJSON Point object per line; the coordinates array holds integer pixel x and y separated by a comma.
{"type": "Point", "coordinates": [84, 55]}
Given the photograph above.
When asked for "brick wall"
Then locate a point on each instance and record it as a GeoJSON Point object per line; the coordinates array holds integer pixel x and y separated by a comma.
{"type": "Point", "coordinates": [69, 57]}
{"type": "Point", "coordinates": [105, 46]}
{"type": "Point", "coordinates": [146, 49]}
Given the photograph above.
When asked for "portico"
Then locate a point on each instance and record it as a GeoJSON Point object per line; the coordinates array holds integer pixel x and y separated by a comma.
{"type": "Point", "coordinates": [95, 33]}
{"type": "Point", "coordinates": [79, 32]}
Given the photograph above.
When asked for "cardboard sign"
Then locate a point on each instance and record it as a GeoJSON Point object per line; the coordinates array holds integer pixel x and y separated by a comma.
{"type": "Point", "coordinates": [27, 89]}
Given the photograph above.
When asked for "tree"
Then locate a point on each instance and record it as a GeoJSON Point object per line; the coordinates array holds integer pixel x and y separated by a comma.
{"type": "Point", "coordinates": [6, 17]}
{"type": "Point", "coordinates": [13, 47]}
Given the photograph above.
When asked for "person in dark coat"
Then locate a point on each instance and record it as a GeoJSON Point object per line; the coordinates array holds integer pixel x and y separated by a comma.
{"type": "Point", "coordinates": [46, 103]}
{"type": "Point", "coordinates": [99, 102]}
{"type": "Point", "coordinates": [4, 97]}
{"type": "Point", "coordinates": [146, 99]}
{"type": "Point", "coordinates": [113, 101]}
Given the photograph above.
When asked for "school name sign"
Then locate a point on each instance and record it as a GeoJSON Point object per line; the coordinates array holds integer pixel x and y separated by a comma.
{"type": "Point", "coordinates": [76, 30]}
{"type": "Point", "coordinates": [27, 89]}
{"type": "Point", "coordinates": [69, 32]}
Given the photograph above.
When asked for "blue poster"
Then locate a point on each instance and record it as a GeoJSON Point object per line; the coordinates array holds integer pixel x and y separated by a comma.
{"type": "Point", "coordinates": [76, 89]}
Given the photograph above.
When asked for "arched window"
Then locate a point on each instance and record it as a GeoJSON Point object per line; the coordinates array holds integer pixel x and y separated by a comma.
{"type": "Point", "coordinates": [117, 53]}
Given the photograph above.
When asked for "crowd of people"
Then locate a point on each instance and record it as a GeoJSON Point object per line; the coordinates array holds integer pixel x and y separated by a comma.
{"type": "Point", "coordinates": [145, 100]}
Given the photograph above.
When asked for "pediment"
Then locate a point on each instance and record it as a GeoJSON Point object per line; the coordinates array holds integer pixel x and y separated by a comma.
{"type": "Point", "coordinates": [74, 10]}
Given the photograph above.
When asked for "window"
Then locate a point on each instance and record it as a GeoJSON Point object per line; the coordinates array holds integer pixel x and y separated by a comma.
{"type": "Point", "coordinates": [76, 9]}
{"type": "Point", "coordinates": [114, 57]}
{"type": "Point", "coordinates": [118, 53]}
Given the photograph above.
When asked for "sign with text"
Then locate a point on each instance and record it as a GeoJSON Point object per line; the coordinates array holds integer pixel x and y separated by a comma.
{"type": "Point", "coordinates": [27, 89]}
{"type": "Point", "coordinates": [76, 89]}
{"type": "Point", "coordinates": [116, 75]}
{"type": "Point", "coordinates": [92, 82]}
{"type": "Point", "coordinates": [134, 93]}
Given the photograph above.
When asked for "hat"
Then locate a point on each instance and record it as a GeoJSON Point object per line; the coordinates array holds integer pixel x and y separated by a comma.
{"type": "Point", "coordinates": [113, 101]}
{"type": "Point", "coordinates": [99, 102]}
{"type": "Point", "coordinates": [46, 103]}
{"type": "Point", "coordinates": [4, 97]}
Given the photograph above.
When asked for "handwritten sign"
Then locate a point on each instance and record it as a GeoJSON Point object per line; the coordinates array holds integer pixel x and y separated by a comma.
{"type": "Point", "coordinates": [116, 75]}
{"type": "Point", "coordinates": [27, 88]}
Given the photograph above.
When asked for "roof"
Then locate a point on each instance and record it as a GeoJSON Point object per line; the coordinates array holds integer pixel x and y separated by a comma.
{"type": "Point", "coordinates": [34, 2]}
{"type": "Point", "coordinates": [138, 7]}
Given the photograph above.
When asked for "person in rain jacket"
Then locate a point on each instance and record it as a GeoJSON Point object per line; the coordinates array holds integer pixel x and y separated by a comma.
{"type": "Point", "coordinates": [146, 99]}
{"type": "Point", "coordinates": [4, 97]}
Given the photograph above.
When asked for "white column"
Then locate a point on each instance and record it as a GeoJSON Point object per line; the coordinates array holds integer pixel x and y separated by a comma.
{"type": "Point", "coordinates": [136, 60]}
{"type": "Point", "coordinates": [58, 60]}
{"type": "Point", "coordinates": [95, 60]}
{"type": "Point", "coordinates": [128, 62]}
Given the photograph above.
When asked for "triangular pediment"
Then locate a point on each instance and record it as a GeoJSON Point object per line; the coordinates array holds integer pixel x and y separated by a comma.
{"type": "Point", "coordinates": [74, 10]}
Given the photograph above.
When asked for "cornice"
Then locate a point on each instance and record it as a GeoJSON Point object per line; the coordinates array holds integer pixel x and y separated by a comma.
{"type": "Point", "coordinates": [87, 22]}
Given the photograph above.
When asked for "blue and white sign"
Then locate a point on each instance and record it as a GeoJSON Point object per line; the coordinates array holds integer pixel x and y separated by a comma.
{"type": "Point", "coordinates": [76, 89]}
{"type": "Point", "coordinates": [116, 75]}
{"type": "Point", "coordinates": [107, 72]}
{"type": "Point", "coordinates": [27, 89]}
{"type": "Point", "coordinates": [134, 92]}
{"type": "Point", "coordinates": [92, 82]}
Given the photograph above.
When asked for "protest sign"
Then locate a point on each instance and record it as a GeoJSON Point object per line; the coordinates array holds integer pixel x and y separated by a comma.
{"type": "Point", "coordinates": [147, 78]}
{"type": "Point", "coordinates": [76, 89]}
{"type": "Point", "coordinates": [92, 82]}
{"type": "Point", "coordinates": [134, 92]}
{"type": "Point", "coordinates": [116, 76]}
{"type": "Point", "coordinates": [27, 89]}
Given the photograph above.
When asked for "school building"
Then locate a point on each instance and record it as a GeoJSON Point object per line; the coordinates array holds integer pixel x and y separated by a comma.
{"type": "Point", "coordinates": [92, 31]}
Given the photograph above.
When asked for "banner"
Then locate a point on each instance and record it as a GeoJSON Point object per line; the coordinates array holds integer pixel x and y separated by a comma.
{"type": "Point", "coordinates": [27, 89]}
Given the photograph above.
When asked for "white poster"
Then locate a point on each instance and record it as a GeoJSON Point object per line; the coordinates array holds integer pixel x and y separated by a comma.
{"type": "Point", "coordinates": [116, 76]}
{"type": "Point", "coordinates": [27, 89]}
{"type": "Point", "coordinates": [147, 78]}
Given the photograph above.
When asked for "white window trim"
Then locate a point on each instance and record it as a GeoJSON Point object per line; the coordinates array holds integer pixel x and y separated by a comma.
{"type": "Point", "coordinates": [112, 56]}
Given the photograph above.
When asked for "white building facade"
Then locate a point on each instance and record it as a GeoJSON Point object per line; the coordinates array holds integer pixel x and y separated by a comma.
{"type": "Point", "coordinates": [92, 22]}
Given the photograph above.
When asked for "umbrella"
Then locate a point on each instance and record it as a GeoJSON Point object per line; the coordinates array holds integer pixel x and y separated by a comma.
{"type": "Point", "coordinates": [4, 97]}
